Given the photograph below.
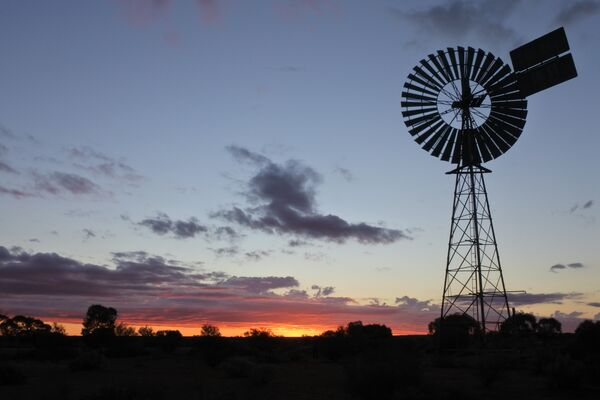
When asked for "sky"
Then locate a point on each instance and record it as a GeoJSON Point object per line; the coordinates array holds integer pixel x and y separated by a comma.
{"type": "Point", "coordinates": [246, 164]}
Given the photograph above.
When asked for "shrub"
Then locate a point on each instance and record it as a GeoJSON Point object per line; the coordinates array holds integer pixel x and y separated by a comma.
{"type": "Point", "coordinates": [565, 374]}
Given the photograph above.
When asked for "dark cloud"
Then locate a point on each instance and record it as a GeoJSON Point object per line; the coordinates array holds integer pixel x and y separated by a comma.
{"type": "Point", "coordinates": [88, 234]}
{"type": "Point", "coordinates": [16, 193]}
{"type": "Point", "coordinates": [34, 240]}
{"type": "Point", "coordinates": [244, 155]}
{"type": "Point", "coordinates": [520, 299]}
{"type": "Point", "coordinates": [594, 304]}
{"type": "Point", "coordinates": [163, 224]}
{"type": "Point", "coordinates": [576, 11]}
{"type": "Point", "coordinates": [457, 20]}
{"type": "Point", "coordinates": [150, 290]}
{"type": "Point", "coordinates": [260, 284]}
{"type": "Point", "coordinates": [297, 243]}
{"type": "Point", "coordinates": [226, 251]}
{"type": "Point", "coordinates": [588, 204]}
{"type": "Point", "coordinates": [283, 202]}
{"type": "Point", "coordinates": [322, 291]}
{"type": "Point", "coordinates": [4, 167]}
{"type": "Point", "coordinates": [557, 267]}
{"type": "Point", "coordinates": [57, 183]}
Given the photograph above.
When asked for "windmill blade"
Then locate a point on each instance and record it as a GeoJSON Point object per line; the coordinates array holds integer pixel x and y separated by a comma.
{"type": "Point", "coordinates": [517, 113]}
{"type": "Point", "coordinates": [417, 129]}
{"type": "Point", "coordinates": [442, 56]}
{"type": "Point", "coordinates": [477, 64]}
{"type": "Point", "coordinates": [415, 96]}
{"type": "Point", "coordinates": [434, 138]}
{"type": "Point", "coordinates": [452, 55]}
{"type": "Point", "coordinates": [489, 58]}
{"type": "Point", "coordinates": [483, 150]}
{"type": "Point", "coordinates": [469, 63]}
{"type": "Point", "coordinates": [447, 77]}
{"type": "Point", "coordinates": [449, 145]}
{"type": "Point", "coordinates": [422, 82]}
{"type": "Point", "coordinates": [496, 65]}
{"type": "Point", "coordinates": [408, 104]}
{"type": "Point", "coordinates": [461, 61]}
{"type": "Point", "coordinates": [428, 78]}
{"type": "Point", "coordinates": [443, 141]}
{"type": "Point", "coordinates": [433, 128]}
{"type": "Point", "coordinates": [496, 139]}
{"type": "Point", "coordinates": [419, 111]}
{"type": "Point", "coordinates": [490, 143]}
{"type": "Point", "coordinates": [456, 153]}
{"type": "Point", "coordinates": [434, 73]}
{"type": "Point", "coordinates": [419, 89]}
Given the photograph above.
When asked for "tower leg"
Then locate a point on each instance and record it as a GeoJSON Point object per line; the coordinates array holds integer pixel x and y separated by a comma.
{"type": "Point", "coordinates": [473, 284]}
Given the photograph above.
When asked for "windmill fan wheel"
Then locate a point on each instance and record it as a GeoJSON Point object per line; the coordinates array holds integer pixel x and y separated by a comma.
{"type": "Point", "coordinates": [463, 106]}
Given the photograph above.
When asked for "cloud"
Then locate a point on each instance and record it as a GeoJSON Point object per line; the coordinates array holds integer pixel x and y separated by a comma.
{"type": "Point", "coordinates": [457, 20]}
{"type": "Point", "coordinates": [322, 291]}
{"type": "Point", "coordinates": [257, 255]}
{"type": "Point", "coordinates": [344, 173]}
{"type": "Point", "coordinates": [163, 224]}
{"type": "Point", "coordinates": [88, 234]}
{"type": "Point", "coordinates": [4, 167]}
{"type": "Point", "coordinates": [57, 183]}
{"type": "Point", "coordinates": [226, 251]}
{"type": "Point", "coordinates": [290, 68]}
{"type": "Point", "coordinates": [594, 304]}
{"type": "Point", "coordinates": [150, 290]}
{"type": "Point", "coordinates": [588, 204]}
{"type": "Point", "coordinates": [575, 265]}
{"type": "Point", "coordinates": [102, 165]}
{"type": "Point", "coordinates": [16, 193]}
{"type": "Point", "coordinates": [576, 11]}
{"type": "Point", "coordinates": [282, 199]}
{"type": "Point", "coordinates": [520, 299]}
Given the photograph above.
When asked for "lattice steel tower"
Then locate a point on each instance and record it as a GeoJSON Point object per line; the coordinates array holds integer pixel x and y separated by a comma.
{"type": "Point", "coordinates": [466, 106]}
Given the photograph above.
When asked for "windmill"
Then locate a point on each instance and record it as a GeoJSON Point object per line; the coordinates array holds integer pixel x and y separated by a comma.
{"type": "Point", "coordinates": [467, 107]}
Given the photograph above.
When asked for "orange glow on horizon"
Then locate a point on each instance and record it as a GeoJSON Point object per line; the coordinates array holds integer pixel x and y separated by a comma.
{"type": "Point", "coordinates": [286, 330]}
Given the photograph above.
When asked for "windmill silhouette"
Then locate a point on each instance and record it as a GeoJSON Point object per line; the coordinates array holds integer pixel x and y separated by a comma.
{"type": "Point", "coordinates": [467, 107]}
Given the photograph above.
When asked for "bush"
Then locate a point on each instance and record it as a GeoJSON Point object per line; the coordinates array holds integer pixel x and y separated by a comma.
{"type": "Point", "coordinates": [87, 361]}
{"type": "Point", "coordinates": [10, 375]}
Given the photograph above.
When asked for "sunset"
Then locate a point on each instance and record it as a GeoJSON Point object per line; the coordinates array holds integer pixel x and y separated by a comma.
{"type": "Point", "coordinates": [252, 165]}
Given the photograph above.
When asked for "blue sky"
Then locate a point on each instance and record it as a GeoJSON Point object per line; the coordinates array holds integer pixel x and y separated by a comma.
{"type": "Point", "coordinates": [117, 112]}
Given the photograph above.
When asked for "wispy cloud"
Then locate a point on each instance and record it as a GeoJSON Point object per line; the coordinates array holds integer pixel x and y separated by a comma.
{"type": "Point", "coordinates": [282, 201]}
{"type": "Point", "coordinates": [162, 224]}
{"type": "Point", "coordinates": [457, 20]}
{"type": "Point", "coordinates": [575, 11]}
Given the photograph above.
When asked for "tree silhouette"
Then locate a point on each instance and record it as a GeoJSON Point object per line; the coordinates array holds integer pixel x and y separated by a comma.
{"type": "Point", "coordinates": [146, 331]}
{"type": "Point", "coordinates": [210, 330]}
{"type": "Point", "coordinates": [549, 326]}
{"type": "Point", "coordinates": [259, 333]}
{"type": "Point", "coordinates": [454, 330]}
{"type": "Point", "coordinates": [21, 325]}
{"type": "Point", "coordinates": [99, 320]}
{"type": "Point", "coordinates": [521, 324]}
{"type": "Point", "coordinates": [122, 329]}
